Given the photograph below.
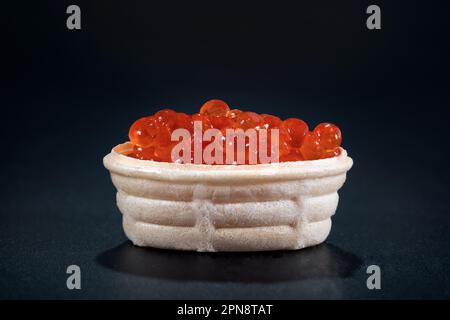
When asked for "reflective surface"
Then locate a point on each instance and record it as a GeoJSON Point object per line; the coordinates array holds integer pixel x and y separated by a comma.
{"type": "Point", "coordinates": [323, 261]}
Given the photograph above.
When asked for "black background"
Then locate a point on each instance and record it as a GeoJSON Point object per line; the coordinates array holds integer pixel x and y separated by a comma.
{"type": "Point", "coordinates": [70, 96]}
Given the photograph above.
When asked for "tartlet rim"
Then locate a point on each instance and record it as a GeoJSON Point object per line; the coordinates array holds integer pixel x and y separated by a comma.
{"type": "Point", "coordinates": [119, 163]}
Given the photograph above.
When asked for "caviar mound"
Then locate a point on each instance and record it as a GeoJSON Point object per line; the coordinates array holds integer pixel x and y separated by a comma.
{"type": "Point", "coordinates": [220, 134]}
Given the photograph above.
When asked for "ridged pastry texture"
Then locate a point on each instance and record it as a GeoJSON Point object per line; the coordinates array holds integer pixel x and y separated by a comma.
{"type": "Point", "coordinates": [284, 206]}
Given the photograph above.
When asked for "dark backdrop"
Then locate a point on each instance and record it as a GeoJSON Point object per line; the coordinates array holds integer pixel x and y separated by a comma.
{"type": "Point", "coordinates": [69, 96]}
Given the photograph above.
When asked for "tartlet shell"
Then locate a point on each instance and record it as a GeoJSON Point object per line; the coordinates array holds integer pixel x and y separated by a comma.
{"type": "Point", "coordinates": [283, 206]}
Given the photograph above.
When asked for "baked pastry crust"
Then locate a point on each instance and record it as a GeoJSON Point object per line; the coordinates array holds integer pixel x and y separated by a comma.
{"type": "Point", "coordinates": [281, 206]}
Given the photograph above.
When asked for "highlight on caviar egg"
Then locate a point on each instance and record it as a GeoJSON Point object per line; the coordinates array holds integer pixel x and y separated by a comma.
{"type": "Point", "coordinates": [222, 135]}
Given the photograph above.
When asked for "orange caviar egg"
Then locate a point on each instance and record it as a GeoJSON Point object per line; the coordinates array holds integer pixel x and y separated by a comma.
{"type": "Point", "coordinates": [284, 143]}
{"type": "Point", "coordinates": [141, 133]}
{"type": "Point", "coordinates": [330, 153]}
{"type": "Point", "coordinates": [329, 135]}
{"type": "Point", "coordinates": [184, 121]}
{"type": "Point", "coordinates": [214, 107]}
{"type": "Point", "coordinates": [311, 149]}
{"type": "Point", "coordinates": [206, 123]}
{"type": "Point", "coordinates": [156, 134]}
{"type": "Point", "coordinates": [164, 153]}
{"type": "Point", "coordinates": [297, 129]}
{"type": "Point", "coordinates": [163, 137]}
{"type": "Point", "coordinates": [292, 156]}
{"type": "Point", "coordinates": [232, 114]}
{"type": "Point", "coordinates": [143, 153]}
{"type": "Point", "coordinates": [166, 117]}
{"type": "Point", "coordinates": [271, 121]}
{"type": "Point", "coordinates": [220, 122]}
{"type": "Point", "coordinates": [247, 120]}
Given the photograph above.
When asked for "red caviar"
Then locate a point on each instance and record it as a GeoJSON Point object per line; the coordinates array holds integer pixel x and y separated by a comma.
{"type": "Point", "coordinates": [270, 121]}
{"type": "Point", "coordinates": [249, 120]}
{"type": "Point", "coordinates": [214, 107]}
{"type": "Point", "coordinates": [151, 136]}
{"type": "Point", "coordinates": [297, 129]}
{"type": "Point", "coordinates": [138, 133]}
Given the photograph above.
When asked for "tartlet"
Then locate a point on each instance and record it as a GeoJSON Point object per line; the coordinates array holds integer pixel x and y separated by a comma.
{"type": "Point", "coordinates": [278, 206]}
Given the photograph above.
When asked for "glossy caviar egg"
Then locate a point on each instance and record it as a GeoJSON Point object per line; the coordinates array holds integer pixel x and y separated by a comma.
{"type": "Point", "coordinates": [284, 143]}
{"type": "Point", "coordinates": [166, 117]}
{"type": "Point", "coordinates": [311, 149]}
{"type": "Point", "coordinates": [139, 133]}
{"type": "Point", "coordinates": [164, 153]}
{"type": "Point", "coordinates": [249, 120]}
{"type": "Point", "coordinates": [162, 137]}
{"type": "Point", "coordinates": [206, 123]}
{"type": "Point", "coordinates": [297, 129]}
{"type": "Point", "coordinates": [214, 107]}
{"type": "Point", "coordinates": [232, 114]}
{"type": "Point", "coordinates": [329, 135]}
{"type": "Point", "coordinates": [330, 153]}
{"type": "Point", "coordinates": [270, 121]}
{"type": "Point", "coordinates": [184, 121]}
{"type": "Point", "coordinates": [220, 122]}
{"type": "Point", "coordinates": [143, 153]}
